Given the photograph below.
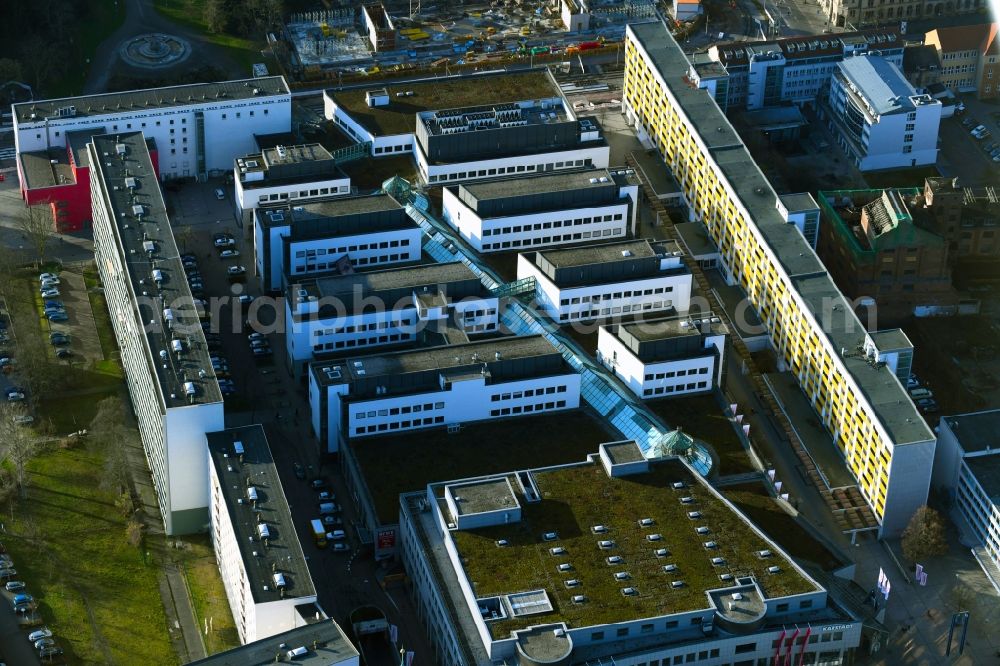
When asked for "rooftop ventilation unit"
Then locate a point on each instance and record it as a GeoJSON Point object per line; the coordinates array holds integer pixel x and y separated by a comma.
{"type": "Point", "coordinates": [238, 447]}
{"type": "Point", "coordinates": [579, 599]}
{"type": "Point", "coordinates": [157, 276]}
{"type": "Point", "coordinates": [252, 494]}
{"type": "Point", "coordinates": [670, 568]}
{"type": "Point", "coordinates": [565, 566]}
{"type": "Point", "coordinates": [762, 554]}
{"type": "Point", "coordinates": [137, 210]}
{"type": "Point", "coordinates": [572, 582]}
{"type": "Point", "coordinates": [661, 552]}
{"type": "Point", "coordinates": [676, 584]}
{"type": "Point", "coordinates": [263, 532]}
{"type": "Point", "coordinates": [773, 570]}
{"type": "Point", "coordinates": [605, 545]}
{"type": "Point", "coordinates": [622, 575]}
{"type": "Point", "coordinates": [726, 577]}
{"type": "Point", "coordinates": [120, 149]}
{"type": "Point", "coordinates": [149, 246]}
{"type": "Point", "coordinates": [558, 550]}
{"type": "Point", "coordinates": [646, 522]}
{"type": "Point", "coordinates": [718, 562]}
{"type": "Point", "coordinates": [710, 545]}
{"type": "Point", "coordinates": [629, 591]}
{"type": "Point", "coordinates": [614, 559]}
{"type": "Point", "coordinates": [189, 389]}
{"type": "Point", "coordinates": [654, 537]}
{"type": "Point", "coordinates": [626, 253]}
{"type": "Point", "coordinates": [177, 345]}
{"type": "Point", "coordinates": [502, 543]}
{"type": "Point", "coordinates": [279, 580]}
{"type": "Point", "coordinates": [130, 183]}
{"type": "Point", "coordinates": [694, 515]}
{"type": "Point", "coordinates": [678, 485]}
{"type": "Point", "coordinates": [687, 500]}
{"type": "Point", "coordinates": [599, 529]}
{"type": "Point", "coordinates": [702, 530]}
{"type": "Point", "coordinates": [548, 536]}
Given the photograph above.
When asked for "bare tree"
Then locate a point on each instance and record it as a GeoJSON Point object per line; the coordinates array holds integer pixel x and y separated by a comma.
{"type": "Point", "coordinates": [18, 444]}
{"type": "Point", "coordinates": [110, 434]}
{"type": "Point", "coordinates": [33, 366]}
{"type": "Point", "coordinates": [37, 230]}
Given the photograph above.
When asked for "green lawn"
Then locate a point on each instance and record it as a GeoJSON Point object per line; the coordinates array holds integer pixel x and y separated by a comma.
{"type": "Point", "coordinates": [191, 13]}
{"type": "Point", "coordinates": [208, 594]}
{"type": "Point", "coordinates": [700, 416]}
{"type": "Point", "coordinates": [106, 17]}
{"type": "Point", "coordinates": [68, 544]}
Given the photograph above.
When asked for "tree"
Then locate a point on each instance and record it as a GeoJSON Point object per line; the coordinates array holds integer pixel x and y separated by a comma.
{"type": "Point", "coordinates": [110, 435]}
{"type": "Point", "coordinates": [18, 444]}
{"type": "Point", "coordinates": [37, 230]}
{"type": "Point", "coordinates": [33, 366]}
{"type": "Point", "coordinates": [924, 537]}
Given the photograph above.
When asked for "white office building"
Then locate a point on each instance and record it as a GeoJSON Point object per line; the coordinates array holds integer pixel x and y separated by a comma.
{"type": "Point", "coordinates": [321, 643]}
{"type": "Point", "coordinates": [349, 313]}
{"type": "Point", "coordinates": [199, 128]}
{"type": "Point", "coordinates": [543, 210]}
{"type": "Point", "coordinates": [288, 174]}
{"type": "Point", "coordinates": [615, 560]}
{"type": "Point", "coordinates": [758, 74]}
{"type": "Point", "coordinates": [967, 469]}
{"type": "Point", "coordinates": [472, 128]}
{"type": "Point", "coordinates": [878, 117]}
{"type": "Point", "coordinates": [438, 387]}
{"type": "Point", "coordinates": [329, 237]}
{"type": "Point", "coordinates": [610, 280]}
{"type": "Point", "coordinates": [663, 358]}
{"type": "Point", "coordinates": [263, 568]}
{"type": "Point", "coordinates": [174, 391]}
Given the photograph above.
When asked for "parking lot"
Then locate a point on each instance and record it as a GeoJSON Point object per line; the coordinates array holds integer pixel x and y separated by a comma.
{"type": "Point", "coordinates": [964, 156]}
{"type": "Point", "coordinates": [15, 627]}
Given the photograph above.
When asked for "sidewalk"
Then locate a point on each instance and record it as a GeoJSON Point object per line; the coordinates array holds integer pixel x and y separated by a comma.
{"type": "Point", "coordinates": [185, 635]}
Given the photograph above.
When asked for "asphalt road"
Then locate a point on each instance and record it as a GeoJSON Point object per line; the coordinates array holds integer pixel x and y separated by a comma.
{"type": "Point", "coordinates": [14, 645]}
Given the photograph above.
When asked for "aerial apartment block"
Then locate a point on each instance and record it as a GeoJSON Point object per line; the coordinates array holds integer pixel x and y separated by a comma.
{"type": "Point", "coordinates": [542, 210]}
{"type": "Point", "coordinates": [967, 468]}
{"type": "Point", "coordinates": [878, 117]}
{"type": "Point", "coordinates": [287, 174]}
{"type": "Point", "coordinates": [759, 74]}
{"type": "Point", "coordinates": [263, 568]}
{"type": "Point", "coordinates": [318, 644]}
{"type": "Point", "coordinates": [472, 128]}
{"type": "Point", "coordinates": [199, 128]}
{"type": "Point", "coordinates": [310, 239]}
{"type": "Point", "coordinates": [668, 357]}
{"type": "Point", "coordinates": [438, 387]}
{"type": "Point", "coordinates": [813, 329]}
{"type": "Point", "coordinates": [626, 278]}
{"type": "Point", "coordinates": [844, 13]}
{"type": "Point", "coordinates": [615, 560]}
{"type": "Point", "coordinates": [341, 314]}
{"type": "Point", "coordinates": [174, 390]}
{"type": "Point", "coordinates": [50, 136]}
{"type": "Point", "coordinates": [970, 57]}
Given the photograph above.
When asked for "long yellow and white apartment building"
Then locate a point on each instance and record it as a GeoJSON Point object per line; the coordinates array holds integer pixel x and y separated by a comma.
{"type": "Point", "coordinates": [813, 328]}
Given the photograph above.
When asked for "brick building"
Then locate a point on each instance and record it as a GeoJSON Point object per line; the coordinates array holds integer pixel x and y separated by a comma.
{"type": "Point", "coordinates": [970, 58]}
{"type": "Point", "coordinates": [967, 217]}
{"type": "Point", "coordinates": [880, 248]}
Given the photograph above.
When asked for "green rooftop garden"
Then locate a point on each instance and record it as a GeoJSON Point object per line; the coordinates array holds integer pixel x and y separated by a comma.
{"type": "Point", "coordinates": [575, 499]}
{"type": "Point", "coordinates": [398, 116]}
{"type": "Point", "coordinates": [701, 416]}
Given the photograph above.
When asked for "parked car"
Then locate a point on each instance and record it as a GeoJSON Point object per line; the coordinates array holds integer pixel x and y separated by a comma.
{"type": "Point", "coordinates": [6, 360]}
{"type": "Point", "coordinates": [58, 339]}
{"type": "Point", "coordinates": [50, 292]}
{"type": "Point", "coordinates": [14, 586]}
{"type": "Point", "coordinates": [54, 304]}
{"type": "Point", "coordinates": [229, 254]}
{"type": "Point", "coordinates": [341, 547]}
{"type": "Point", "coordinates": [317, 484]}
{"type": "Point", "coordinates": [336, 535]}
{"type": "Point", "coordinates": [44, 643]}
{"type": "Point", "coordinates": [49, 652]}
{"type": "Point", "coordinates": [39, 634]}
{"type": "Point", "coordinates": [23, 598]}
{"type": "Point", "coordinates": [329, 520]}
{"type": "Point", "coordinates": [57, 316]}
{"type": "Point", "coordinates": [220, 194]}
{"type": "Point", "coordinates": [47, 276]}
{"type": "Point", "coordinates": [15, 396]}
{"type": "Point", "coordinates": [62, 352]}
{"type": "Point", "coordinates": [300, 472]}
{"type": "Point", "coordinates": [223, 241]}
{"type": "Point", "coordinates": [51, 280]}
{"type": "Point", "coordinates": [245, 299]}
{"type": "Point", "coordinates": [262, 351]}
{"type": "Point", "coordinates": [24, 419]}
{"type": "Point", "coordinates": [977, 130]}
{"type": "Point", "coordinates": [8, 574]}
{"type": "Point", "coordinates": [236, 270]}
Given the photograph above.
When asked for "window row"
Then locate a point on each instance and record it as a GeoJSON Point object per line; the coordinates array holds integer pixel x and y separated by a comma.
{"type": "Point", "coordinates": [362, 342]}
{"type": "Point", "coordinates": [303, 194]}
{"type": "Point", "coordinates": [396, 425]}
{"type": "Point", "coordinates": [606, 312]}
{"type": "Point", "coordinates": [538, 226]}
{"type": "Point", "coordinates": [357, 261]}
{"type": "Point", "coordinates": [680, 388]}
{"type": "Point", "coordinates": [415, 408]}
{"type": "Point", "coordinates": [527, 393]}
{"type": "Point", "coordinates": [597, 298]}
{"type": "Point", "coordinates": [499, 171]}
{"type": "Point", "coordinates": [399, 148]}
{"type": "Point", "coordinates": [528, 409]}
{"type": "Point", "coordinates": [544, 240]}
{"type": "Point", "coordinates": [678, 373]}
{"type": "Point", "coordinates": [362, 247]}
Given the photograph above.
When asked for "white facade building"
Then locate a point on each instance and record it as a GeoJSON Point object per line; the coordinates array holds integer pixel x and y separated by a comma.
{"type": "Point", "coordinates": [665, 357]}
{"type": "Point", "coordinates": [793, 69]}
{"type": "Point", "coordinates": [321, 643]}
{"type": "Point", "coordinates": [174, 392]}
{"type": "Point", "coordinates": [198, 128]}
{"type": "Point", "coordinates": [263, 568]}
{"type": "Point", "coordinates": [967, 468]}
{"type": "Point", "coordinates": [330, 236]}
{"type": "Point", "coordinates": [542, 210]}
{"type": "Point", "coordinates": [438, 387]}
{"type": "Point", "coordinates": [484, 139]}
{"type": "Point", "coordinates": [444, 302]}
{"type": "Point", "coordinates": [608, 280]}
{"type": "Point", "coordinates": [286, 174]}
{"type": "Point", "coordinates": [879, 118]}
{"type": "Point", "coordinates": [577, 595]}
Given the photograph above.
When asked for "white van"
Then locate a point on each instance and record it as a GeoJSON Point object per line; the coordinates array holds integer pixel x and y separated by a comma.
{"type": "Point", "coordinates": [920, 393]}
{"type": "Point", "coordinates": [219, 194]}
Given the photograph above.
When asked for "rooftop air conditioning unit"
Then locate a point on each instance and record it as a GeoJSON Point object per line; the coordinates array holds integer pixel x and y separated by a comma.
{"type": "Point", "coordinates": [687, 500]}
{"type": "Point", "coordinates": [550, 536]}
{"type": "Point", "coordinates": [622, 575]}
{"type": "Point", "coordinates": [614, 559]}
{"type": "Point", "coordinates": [702, 530]}
{"type": "Point", "coordinates": [726, 577]}
{"type": "Point", "coordinates": [718, 561]}
{"type": "Point", "coordinates": [558, 550]}
{"type": "Point", "coordinates": [579, 599]}
{"type": "Point", "coordinates": [605, 545]}
{"type": "Point", "coordinates": [678, 485]}
{"type": "Point", "coordinates": [661, 552]}
{"type": "Point", "coordinates": [773, 570]}
{"type": "Point", "coordinates": [670, 568]}
{"type": "Point", "coordinates": [654, 537]}
{"type": "Point", "coordinates": [572, 582]}
{"type": "Point", "coordinates": [710, 545]}
{"type": "Point", "coordinates": [694, 515]}
{"type": "Point", "coordinates": [599, 529]}
{"type": "Point", "coordinates": [565, 566]}
{"type": "Point", "coordinates": [646, 522]}
{"type": "Point", "coordinates": [676, 584]}
{"type": "Point", "coordinates": [502, 543]}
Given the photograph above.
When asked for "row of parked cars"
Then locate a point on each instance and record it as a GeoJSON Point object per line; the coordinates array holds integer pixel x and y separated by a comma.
{"type": "Point", "coordinates": [981, 133]}
{"type": "Point", "coordinates": [922, 396]}
{"type": "Point", "coordinates": [24, 604]}
{"type": "Point", "coordinates": [330, 515]}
